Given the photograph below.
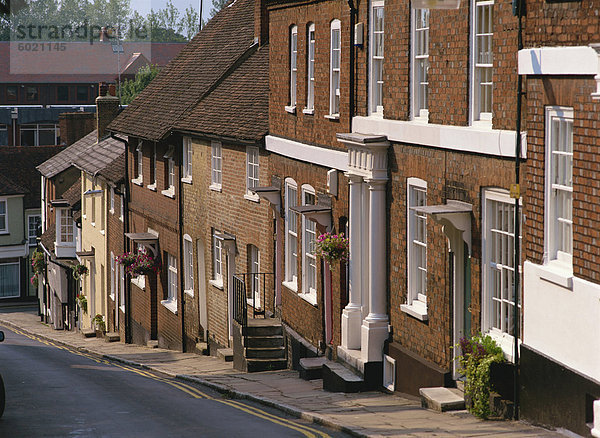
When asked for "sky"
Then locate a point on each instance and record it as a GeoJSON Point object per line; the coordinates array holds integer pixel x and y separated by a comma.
{"type": "Point", "coordinates": [144, 6]}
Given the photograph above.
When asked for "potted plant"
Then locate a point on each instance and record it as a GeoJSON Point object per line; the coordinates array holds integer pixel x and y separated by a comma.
{"type": "Point", "coordinates": [82, 302]}
{"type": "Point", "coordinates": [98, 321]}
{"type": "Point", "coordinates": [79, 271]}
{"type": "Point", "coordinates": [477, 355]}
{"type": "Point", "coordinates": [127, 259]}
{"type": "Point", "coordinates": [332, 247]}
{"type": "Point", "coordinates": [145, 264]}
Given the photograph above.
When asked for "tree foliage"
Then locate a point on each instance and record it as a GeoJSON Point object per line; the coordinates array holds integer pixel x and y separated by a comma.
{"type": "Point", "coordinates": [131, 88]}
{"type": "Point", "coordinates": [217, 5]}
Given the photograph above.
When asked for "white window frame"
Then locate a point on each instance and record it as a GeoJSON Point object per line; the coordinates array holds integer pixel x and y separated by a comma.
{"type": "Point", "coordinates": [335, 56]}
{"type": "Point", "coordinates": [29, 235]}
{"type": "Point", "coordinates": [4, 229]}
{"type": "Point", "coordinates": [416, 294]}
{"type": "Point", "coordinates": [113, 277]}
{"type": "Point", "coordinates": [291, 235]}
{"type": "Point", "coordinates": [139, 157]}
{"type": "Point", "coordinates": [171, 301]}
{"type": "Point", "coordinates": [216, 166]}
{"type": "Point", "coordinates": [291, 108]}
{"type": "Point", "coordinates": [310, 69]}
{"type": "Point", "coordinates": [112, 200]}
{"type": "Point", "coordinates": [217, 256]}
{"type": "Point", "coordinates": [498, 220]}
{"type": "Point", "coordinates": [309, 259]}
{"type": "Point", "coordinates": [36, 128]}
{"type": "Point", "coordinates": [252, 172]}
{"type": "Point", "coordinates": [481, 65]}
{"type": "Point", "coordinates": [187, 155]}
{"type": "Point", "coordinates": [188, 265]}
{"type": "Point", "coordinates": [170, 172]}
{"type": "Point", "coordinates": [254, 280]}
{"type": "Point", "coordinates": [559, 254]}
{"type": "Point", "coordinates": [420, 64]}
{"type": "Point", "coordinates": [64, 212]}
{"type": "Point", "coordinates": [376, 62]}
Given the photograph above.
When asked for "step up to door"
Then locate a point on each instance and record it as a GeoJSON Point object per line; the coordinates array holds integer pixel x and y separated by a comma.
{"type": "Point", "coordinates": [311, 368]}
{"type": "Point", "coordinates": [112, 337]}
{"type": "Point", "coordinates": [264, 341]}
{"type": "Point", "coordinates": [255, 365]}
{"type": "Point", "coordinates": [271, 327]}
{"type": "Point", "coordinates": [265, 353]}
{"type": "Point", "coordinates": [338, 378]}
{"type": "Point", "coordinates": [226, 354]}
{"type": "Point", "coordinates": [202, 348]}
{"type": "Point", "coordinates": [442, 399]}
{"type": "Point", "coordinates": [152, 343]}
{"type": "Point", "coordinates": [88, 333]}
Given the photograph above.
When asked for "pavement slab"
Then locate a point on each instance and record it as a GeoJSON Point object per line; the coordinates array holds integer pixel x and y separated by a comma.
{"type": "Point", "coordinates": [367, 414]}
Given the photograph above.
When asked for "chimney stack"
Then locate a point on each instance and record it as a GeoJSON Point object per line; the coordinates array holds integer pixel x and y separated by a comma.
{"type": "Point", "coordinates": [107, 107]}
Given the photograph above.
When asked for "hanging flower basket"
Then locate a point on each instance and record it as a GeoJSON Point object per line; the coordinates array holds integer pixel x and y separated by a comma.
{"type": "Point", "coordinates": [140, 263]}
{"type": "Point", "coordinates": [82, 302]}
{"type": "Point", "coordinates": [127, 259]}
{"type": "Point", "coordinates": [79, 271]}
{"type": "Point", "coordinates": [34, 280]}
{"type": "Point", "coordinates": [332, 247]}
{"type": "Point", "coordinates": [38, 263]}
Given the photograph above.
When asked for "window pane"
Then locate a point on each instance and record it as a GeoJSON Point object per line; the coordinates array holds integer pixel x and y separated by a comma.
{"type": "Point", "coordinates": [9, 280]}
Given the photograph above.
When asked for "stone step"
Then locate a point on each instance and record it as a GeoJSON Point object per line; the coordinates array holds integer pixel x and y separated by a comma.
{"type": "Point", "coordinates": [88, 333]}
{"type": "Point", "coordinates": [338, 378]}
{"type": "Point", "coordinates": [442, 399]}
{"type": "Point", "coordinates": [311, 368]}
{"type": "Point", "coordinates": [202, 348]}
{"type": "Point", "coordinates": [225, 354]}
{"type": "Point", "coordinates": [271, 329]}
{"type": "Point", "coordinates": [264, 341]}
{"type": "Point", "coordinates": [265, 353]}
{"type": "Point", "coordinates": [255, 365]}
{"type": "Point", "coordinates": [152, 343]}
{"type": "Point", "coordinates": [112, 337]}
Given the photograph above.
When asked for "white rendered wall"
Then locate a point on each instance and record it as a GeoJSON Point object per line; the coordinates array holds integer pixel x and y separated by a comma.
{"type": "Point", "coordinates": [563, 324]}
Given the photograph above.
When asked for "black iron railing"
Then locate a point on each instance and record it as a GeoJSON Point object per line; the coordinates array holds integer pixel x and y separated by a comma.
{"type": "Point", "coordinates": [240, 306]}
{"type": "Point", "coordinates": [257, 284]}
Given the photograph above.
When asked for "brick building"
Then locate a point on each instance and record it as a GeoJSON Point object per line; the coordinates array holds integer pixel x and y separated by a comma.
{"type": "Point", "coordinates": [561, 304]}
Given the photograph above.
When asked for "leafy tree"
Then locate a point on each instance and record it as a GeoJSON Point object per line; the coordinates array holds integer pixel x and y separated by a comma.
{"type": "Point", "coordinates": [217, 5]}
{"type": "Point", "coordinates": [131, 88]}
{"type": "Point", "coordinates": [189, 23]}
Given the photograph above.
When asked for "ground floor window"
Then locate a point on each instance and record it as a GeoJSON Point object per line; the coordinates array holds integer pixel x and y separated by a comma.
{"type": "Point", "coordinates": [9, 280]}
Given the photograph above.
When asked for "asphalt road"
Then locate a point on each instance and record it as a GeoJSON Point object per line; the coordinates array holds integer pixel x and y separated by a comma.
{"type": "Point", "coordinates": [52, 391]}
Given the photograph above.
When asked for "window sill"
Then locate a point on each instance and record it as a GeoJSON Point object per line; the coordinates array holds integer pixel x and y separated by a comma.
{"type": "Point", "coordinates": [253, 198]}
{"type": "Point", "coordinates": [93, 224]}
{"type": "Point", "coordinates": [290, 109]}
{"type": "Point", "coordinates": [112, 296]}
{"type": "Point", "coordinates": [138, 181]}
{"type": "Point", "coordinates": [504, 341]}
{"type": "Point", "coordinates": [84, 216]}
{"type": "Point", "coordinates": [215, 187]}
{"type": "Point", "coordinates": [311, 298]}
{"type": "Point", "coordinates": [217, 283]}
{"type": "Point", "coordinates": [423, 120]}
{"type": "Point", "coordinates": [558, 273]}
{"type": "Point", "coordinates": [332, 116]}
{"type": "Point", "coordinates": [102, 232]}
{"type": "Point", "coordinates": [2, 233]}
{"type": "Point", "coordinates": [122, 309]}
{"type": "Point", "coordinates": [187, 179]}
{"type": "Point", "coordinates": [416, 310]}
{"type": "Point", "coordinates": [111, 211]}
{"type": "Point", "coordinates": [151, 187]}
{"type": "Point", "coordinates": [140, 282]}
{"type": "Point", "coordinates": [170, 304]}
{"type": "Point", "coordinates": [293, 286]}
{"type": "Point", "coordinates": [121, 218]}
{"type": "Point", "coordinates": [169, 193]}
{"type": "Point", "coordinates": [308, 111]}
{"type": "Point", "coordinates": [189, 292]}
{"type": "Point", "coordinates": [482, 124]}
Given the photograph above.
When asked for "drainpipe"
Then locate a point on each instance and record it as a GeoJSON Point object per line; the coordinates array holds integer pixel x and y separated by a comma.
{"type": "Point", "coordinates": [128, 337]}
{"type": "Point", "coordinates": [181, 264]}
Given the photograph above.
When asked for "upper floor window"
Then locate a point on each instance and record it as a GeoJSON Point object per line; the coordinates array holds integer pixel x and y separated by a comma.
{"type": "Point", "coordinates": [3, 216]}
{"type": "Point", "coordinates": [40, 135]}
{"type": "Point", "coordinates": [309, 259]}
{"type": "Point", "coordinates": [420, 62]}
{"type": "Point", "coordinates": [559, 184]}
{"type": "Point", "coordinates": [12, 92]}
{"type": "Point", "coordinates": [334, 68]}
{"type": "Point", "coordinates": [291, 233]}
{"type": "Point", "coordinates": [310, 69]}
{"type": "Point", "coordinates": [169, 172]}
{"type": "Point", "coordinates": [112, 200]}
{"type": "Point", "coordinates": [122, 198]}
{"type": "Point", "coordinates": [252, 168]}
{"type": "Point", "coordinates": [62, 93]}
{"type": "Point", "coordinates": [65, 225]}
{"type": "Point", "coordinates": [32, 94]}
{"type": "Point", "coordinates": [33, 224]}
{"type": "Point", "coordinates": [82, 92]}
{"type": "Point", "coordinates": [376, 79]}
{"type": "Point", "coordinates": [216, 165]}
{"type": "Point", "coordinates": [483, 59]}
{"type": "Point", "coordinates": [139, 162]}
{"type": "Point", "coordinates": [153, 164]}
{"type": "Point", "coordinates": [187, 159]}
{"type": "Point", "coordinates": [188, 264]}
{"type": "Point", "coordinates": [293, 64]}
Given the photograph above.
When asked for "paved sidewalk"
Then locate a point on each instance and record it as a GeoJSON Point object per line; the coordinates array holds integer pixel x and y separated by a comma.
{"type": "Point", "coordinates": [372, 414]}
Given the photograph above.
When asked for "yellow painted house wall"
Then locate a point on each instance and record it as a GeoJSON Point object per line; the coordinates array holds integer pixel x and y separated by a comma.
{"type": "Point", "coordinates": [94, 235]}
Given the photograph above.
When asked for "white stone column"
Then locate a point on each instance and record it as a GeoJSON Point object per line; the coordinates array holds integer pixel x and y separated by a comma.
{"type": "Point", "coordinates": [374, 330]}
{"type": "Point", "coordinates": [351, 315]}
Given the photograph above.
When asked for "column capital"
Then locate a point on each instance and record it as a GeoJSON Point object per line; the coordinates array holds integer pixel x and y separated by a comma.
{"type": "Point", "coordinates": [376, 183]}
{"type": "Point", "coordinates": [353, 178]}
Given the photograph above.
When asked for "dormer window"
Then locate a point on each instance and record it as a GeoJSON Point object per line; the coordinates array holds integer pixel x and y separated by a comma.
{"type": "Point", "coordinates": [65, 225]}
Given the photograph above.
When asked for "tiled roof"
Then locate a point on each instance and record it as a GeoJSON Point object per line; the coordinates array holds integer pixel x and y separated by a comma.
{"type": "Point", "coordinates": [90, 58]}
{"type": "Point", "coordinates": [190, 75]}
{"type": "Point", "coordinates": [48, 238]}
{"type": "Point", "coordinates": [101, 155]}
{"type": "Point", "coordinates": [18, 168]}
{"type": "Point", "coordinates": [63, 160]}
{"type": "Point", "coordinates": [9, 187]}
{"type": "Point", "coordinates": [238, 106]}
{"type": "Point", "coordinates": [73, 194]}
{"type": "Point", "coordinates": [115, 171]}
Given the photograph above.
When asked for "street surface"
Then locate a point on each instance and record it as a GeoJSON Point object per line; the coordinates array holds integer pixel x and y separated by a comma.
{"type": "Point", "coordinates": [55, 391]}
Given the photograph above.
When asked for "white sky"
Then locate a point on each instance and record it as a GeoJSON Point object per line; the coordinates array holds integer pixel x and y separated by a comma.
{"type": "Point", "coordinates": [144, 6]}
